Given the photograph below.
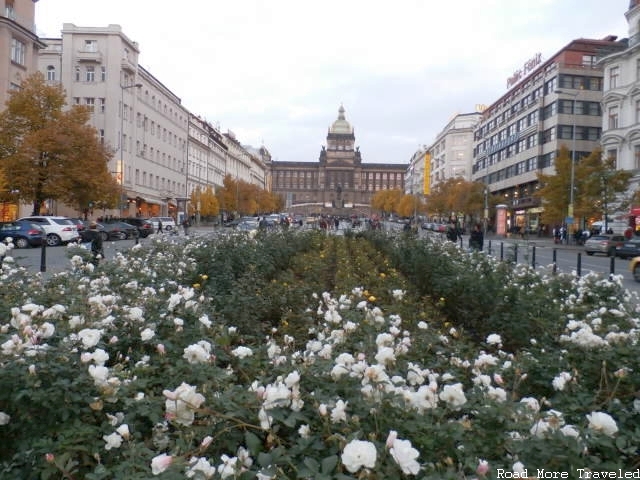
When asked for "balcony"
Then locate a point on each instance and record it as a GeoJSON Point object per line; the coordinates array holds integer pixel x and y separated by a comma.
{"type": "Point", "coordinates": [89, 56]}
{"type": "Point", "coordinates": [128, 65]}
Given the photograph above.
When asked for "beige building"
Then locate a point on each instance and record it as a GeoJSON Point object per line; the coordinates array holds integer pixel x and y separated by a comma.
{"type": "Point", "coordinates": [339, 183]}
{"type": "Point", "coordinates": [19, 46]}
{"type": "Point", "coordinates": [452, 150]}
{"type": "Point", "coordinates": [549, 104]}
{"type": "Point", "coordinates": [162, 152]}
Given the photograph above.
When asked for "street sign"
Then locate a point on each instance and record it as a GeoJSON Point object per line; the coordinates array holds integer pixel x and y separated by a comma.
{"type": "Point", "coordinates": [568, 220]}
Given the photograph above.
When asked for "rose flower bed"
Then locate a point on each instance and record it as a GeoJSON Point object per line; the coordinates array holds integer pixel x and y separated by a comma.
{"type": "Point", "coordinates": [301, 355]}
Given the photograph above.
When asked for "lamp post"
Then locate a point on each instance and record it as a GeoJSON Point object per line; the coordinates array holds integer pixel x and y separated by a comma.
{"type": "Point", "coordinates": [120, 167]}
{"type": "Point", "coordinates": [486, 195]}
{"type": "Point", "coordinates": [573, 152]}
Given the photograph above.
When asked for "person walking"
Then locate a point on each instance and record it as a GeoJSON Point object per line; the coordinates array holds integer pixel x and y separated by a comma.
{"type": "Point", "coordinates": [476, 239]}
{"type": "Point", "coordinates": [159, 226]}
{"type": "Point", "coordinates": [97, 250]}
{"type": "Point", "coordinates": [186, 225]}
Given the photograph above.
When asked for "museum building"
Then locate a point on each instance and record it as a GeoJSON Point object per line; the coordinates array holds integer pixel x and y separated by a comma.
{"type": "Point", "coordinates": [339, 183]}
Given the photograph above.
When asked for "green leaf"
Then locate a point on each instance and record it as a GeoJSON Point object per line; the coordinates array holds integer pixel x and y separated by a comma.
{"type": "Point", "coordinates": [253, 442]}
{"type": "Point", "coordinates": [313, 464]}
{"type": "Point", "coordinates": [265, 459]}
{"type": "Point", "coordinates": [329, 464]}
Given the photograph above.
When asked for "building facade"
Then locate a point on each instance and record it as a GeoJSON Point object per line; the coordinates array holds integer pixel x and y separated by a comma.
{"type": "Point", "coordinates": [162, 152]}
{"type": "Point", "coordinates": [520, 134]}
{"type": "Point", "coordinates": [452, 150]}
{"type": "Point", "coordinates": [19, 47]}
{"type": "Point", "coordinates": [339, 183]}
{"type": "Point", "coordinates": [621, 101]}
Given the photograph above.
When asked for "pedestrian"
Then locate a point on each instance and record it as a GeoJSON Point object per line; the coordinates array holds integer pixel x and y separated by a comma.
{"type": "Point", "coordinates": [186, 225]}
{"type": "Point", "coordinates": [159, 226]}
{"type": "Point", "coordinates": [453, 232]}
{"type": "Point", "coordinates": [95, 237]}
{"type": "Point", "coordinates": [476, 239]}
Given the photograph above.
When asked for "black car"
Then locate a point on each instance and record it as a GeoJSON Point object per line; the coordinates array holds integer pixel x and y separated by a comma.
{"type": "Point", "coordinates": [23, 233]}
{"type": "Point", "coordinates": [144, 226]}
{"type": "Point", "coordinates": [628, 249]}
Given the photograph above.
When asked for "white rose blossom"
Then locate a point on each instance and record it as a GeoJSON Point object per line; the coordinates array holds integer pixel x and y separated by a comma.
{"type": "Point", "coordinates": [358, 454]}
{"type": "Point", "coordinates": [602, 422]}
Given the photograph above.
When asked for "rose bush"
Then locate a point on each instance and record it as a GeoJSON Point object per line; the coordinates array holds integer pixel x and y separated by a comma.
{"type": "Point", "coordinates": [300, 355]}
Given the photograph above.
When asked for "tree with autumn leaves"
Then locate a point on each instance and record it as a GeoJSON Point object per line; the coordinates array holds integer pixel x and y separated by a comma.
{"type": "Point", "coordinates": [596, 182]}
{"type": "Point", "coordinates": [244, 198]}
{"type": "Point", "coordinates": [453, 196]}
{"type": "Point", "coordinates": [48, 151]}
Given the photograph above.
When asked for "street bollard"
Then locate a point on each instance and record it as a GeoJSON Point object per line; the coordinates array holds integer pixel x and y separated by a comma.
{"type": "Point", "coordinates": [501, 251]}
{"type": "Point", "coordinates": [579, 268]}
{"type": "Point", "coordinates": [533, 256]}
{"type": "Point", "coordinates": [612, 266]}
{"type": "Point", "coordinates": [555, 265]}
{"type": "Point", "coordinates": [43, 255]}
{"type": "Point", "coordinates": [489, 247]}
{"type": "Point", "coordinates": [515, 254]}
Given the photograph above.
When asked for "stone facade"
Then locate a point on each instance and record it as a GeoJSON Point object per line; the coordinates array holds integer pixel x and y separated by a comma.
{"type": "Point", "coordinates": [339, 183]}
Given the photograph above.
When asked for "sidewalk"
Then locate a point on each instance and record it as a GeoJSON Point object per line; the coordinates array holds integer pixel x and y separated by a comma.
{"type": "Point", "coordinates": [533, 240]}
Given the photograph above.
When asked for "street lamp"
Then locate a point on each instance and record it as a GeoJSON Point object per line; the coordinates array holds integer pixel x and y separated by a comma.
{"type": "Point", "coordinates": [573, 152]}
{"type": "Point", "coordinates": [120, 167]}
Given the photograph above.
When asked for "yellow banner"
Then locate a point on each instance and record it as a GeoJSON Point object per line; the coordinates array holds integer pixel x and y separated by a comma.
{"type": "Point", "coordinates": [427, 174]}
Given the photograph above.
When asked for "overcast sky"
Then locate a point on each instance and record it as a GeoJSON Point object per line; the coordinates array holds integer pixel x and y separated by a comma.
{"type": "Point", "coordinates": [276, 71]}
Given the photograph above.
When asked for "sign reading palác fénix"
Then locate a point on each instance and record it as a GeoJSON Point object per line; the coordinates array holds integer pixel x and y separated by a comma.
{"type": "Point", "coordinates": [529, 65]}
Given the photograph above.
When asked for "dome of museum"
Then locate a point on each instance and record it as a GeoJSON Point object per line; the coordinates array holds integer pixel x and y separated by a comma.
{"type": "Point", "coordinates": [341, 126]}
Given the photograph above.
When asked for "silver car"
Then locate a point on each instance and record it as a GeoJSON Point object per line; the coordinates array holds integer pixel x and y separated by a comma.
{"type": "Point", "coordinates": [605, 243]}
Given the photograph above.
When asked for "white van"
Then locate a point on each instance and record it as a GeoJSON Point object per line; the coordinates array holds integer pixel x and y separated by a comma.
{"type": "Point", "coordinates": [168, 224]}
{"type": "Point", "coordinates": [617, 227]}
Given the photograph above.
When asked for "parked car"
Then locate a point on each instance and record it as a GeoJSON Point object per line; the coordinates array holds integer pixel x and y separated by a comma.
{"type": "Point", "coordinates": [59, 230]}
{"type": "Point", "coordinates": [85, 235]}
{"type": "Point", "coordinates": [144, 226]}
{"type": "Point", "coordinates": [109, 231]}
{"type": "Point", "coordinates": [634, 268]}
{"type": "Point", "coordinates": [168, 224]}
{"type": "Point", "coordinates": [22, 233]}
{"type": "Point", "coordinates": [603, 244]}
{"type": "Point", "coordinates": [79, 223]}
{"type": "Point", "coordinates": [247, 225]}
{"type": "Point", "coordinates": [628, 249]}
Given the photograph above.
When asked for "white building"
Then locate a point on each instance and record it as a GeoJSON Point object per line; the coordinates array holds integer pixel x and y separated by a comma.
{"type": "Point", "coordinates": [452, 150]}
{"type": "Point", "coordinates": [621, 101]}
{"type": "Point", "coordinates": [162, 152]}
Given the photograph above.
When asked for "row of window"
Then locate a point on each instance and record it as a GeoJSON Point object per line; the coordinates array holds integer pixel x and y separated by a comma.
{"type": "Point", "coordinates": [157, 182]}
{"type": "Point", "coordinates": [512, 107]}
{"type": "Point", "coordinates": [563, 132]}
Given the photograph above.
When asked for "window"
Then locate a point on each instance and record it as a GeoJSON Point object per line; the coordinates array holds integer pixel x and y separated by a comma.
{"type": "Point", "coordinates": [51, 73]}
{"type": "Point", "coordinates": [9, 10]}
{"type": "Point", "coordinates": [636, 157]}
{"type": "Point", "coordinates": [90, 74]}
{"type": "Point", "coordinates": [76, 100]}
{"type": "Point", "coordinates": [637, 68]}
{"type": "Point", "coordinates": [77, 74]}
{"type": "Point", "coordinates": [101, 132]}
{"type": "Point", "coordinates": [613, 117]}
{"type": "Point", "coordinates": [90, 102]}
{"type": "Point", "coordinates": [103, 105]}
{"type": "Point", "coordinates": [90, 45]}
{"type": "Point", "coordinates": [613, 155]}
{"type": "Point", "coordinates": [614, 75]}
{"type": "Point", "coordinates": [18, 50]}
{"type": "Point", "coordinates": [103, 74]}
